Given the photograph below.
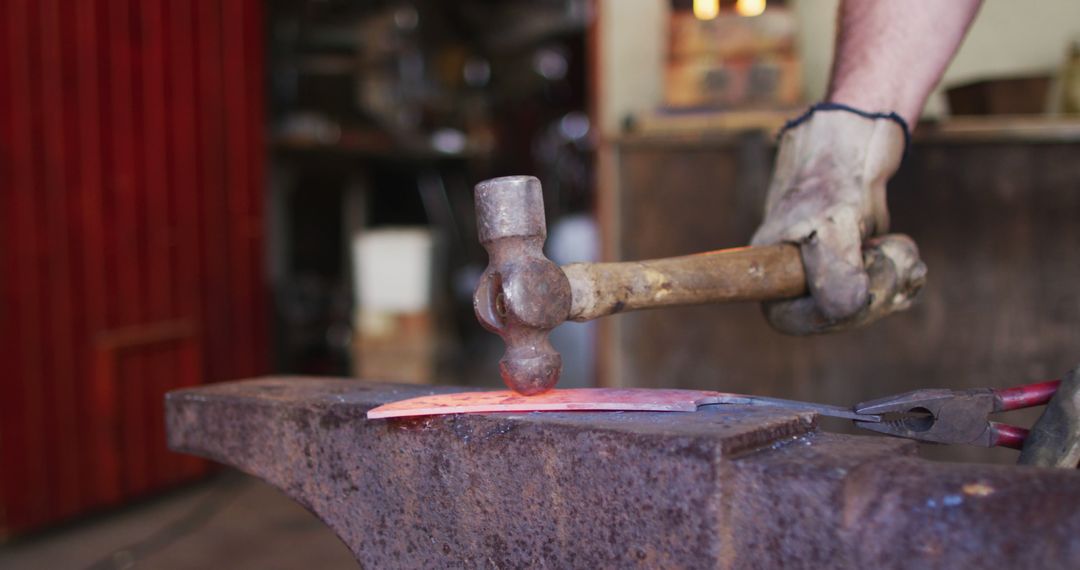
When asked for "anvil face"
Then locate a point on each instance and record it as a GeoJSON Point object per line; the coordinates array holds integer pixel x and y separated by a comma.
{"type": "Point", "coordinates": [723, 487]}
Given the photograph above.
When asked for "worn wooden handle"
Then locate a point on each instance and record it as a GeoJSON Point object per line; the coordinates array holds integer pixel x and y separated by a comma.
{"type": "Point", "coordinates": [760, 273]}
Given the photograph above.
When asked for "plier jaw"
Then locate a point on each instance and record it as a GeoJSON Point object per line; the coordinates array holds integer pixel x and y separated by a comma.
{"type": "Point", "coordinates": [935, 415]}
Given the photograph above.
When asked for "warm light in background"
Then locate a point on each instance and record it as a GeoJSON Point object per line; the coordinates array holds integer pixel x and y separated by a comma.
{"type": "Point", "coordinates": [708, 9]}
{"type": "Point", "coordinates": [745, 7]}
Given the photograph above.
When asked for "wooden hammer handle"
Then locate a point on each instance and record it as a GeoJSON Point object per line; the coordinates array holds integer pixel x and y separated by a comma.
{"type": "Point", "coordinates": [760, 273]}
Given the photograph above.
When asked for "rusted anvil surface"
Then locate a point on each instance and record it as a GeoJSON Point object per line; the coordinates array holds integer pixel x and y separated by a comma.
{"type": "Point", "coordinates": [725, 487]}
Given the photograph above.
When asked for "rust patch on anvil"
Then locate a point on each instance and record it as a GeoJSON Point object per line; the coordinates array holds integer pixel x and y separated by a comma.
{"type": "Point", "coordinates": [922, 511]}
{"type": "Point", "coordinates": [723, 487]}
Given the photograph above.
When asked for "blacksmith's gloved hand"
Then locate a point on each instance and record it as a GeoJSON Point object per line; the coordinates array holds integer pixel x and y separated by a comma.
{"type": "Point", "coordinates": [1054, 440]}
{"type": "Point", "coordinates": [827, 195]}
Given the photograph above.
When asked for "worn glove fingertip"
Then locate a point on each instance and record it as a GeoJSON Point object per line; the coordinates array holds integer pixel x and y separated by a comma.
{"type": "Point", "coordinates": [841, 294]}
{"type": "Point", "coordinates": [795, 317]}
{"type": "Point", "coordinates": [835, 275]}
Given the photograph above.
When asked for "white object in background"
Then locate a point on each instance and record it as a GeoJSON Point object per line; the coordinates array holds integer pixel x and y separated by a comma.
{"type": "Point", "coordinates": [392, 269]}
{"type": "Point", "coordinates": [395, 332]}
{"type": "Point", "coordinates": [572, 239]}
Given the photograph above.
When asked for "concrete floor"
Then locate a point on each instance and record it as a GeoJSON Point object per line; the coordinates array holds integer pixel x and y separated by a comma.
{"type": "Point", "coordinates": [232, 521]}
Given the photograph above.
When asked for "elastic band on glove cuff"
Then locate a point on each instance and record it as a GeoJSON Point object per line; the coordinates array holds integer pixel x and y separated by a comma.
{"type": "Point", "coordinates": [829, 106]}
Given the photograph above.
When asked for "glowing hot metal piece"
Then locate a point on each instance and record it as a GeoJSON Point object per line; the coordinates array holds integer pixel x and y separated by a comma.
{"type": "Point", "coordinates": [593, 399]}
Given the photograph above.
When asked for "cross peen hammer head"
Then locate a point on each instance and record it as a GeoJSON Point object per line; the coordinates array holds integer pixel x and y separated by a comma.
{"type": "Point", "coordinates": [522, 294]}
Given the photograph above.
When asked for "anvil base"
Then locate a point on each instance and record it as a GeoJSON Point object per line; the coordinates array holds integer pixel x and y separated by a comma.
{"type": "Point", "coordinates": [723, 487]}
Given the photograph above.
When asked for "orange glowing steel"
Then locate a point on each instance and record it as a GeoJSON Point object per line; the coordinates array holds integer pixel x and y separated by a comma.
{"type": "Point", "coordinates": [574, 399]}
{"type": "Point", "coordinates": [594, 399]}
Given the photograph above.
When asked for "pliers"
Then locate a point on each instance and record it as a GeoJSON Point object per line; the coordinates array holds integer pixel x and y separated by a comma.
{"type": "Point", "coordinates": [955, 416]}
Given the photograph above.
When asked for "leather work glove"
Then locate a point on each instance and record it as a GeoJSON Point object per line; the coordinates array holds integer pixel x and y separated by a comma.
{"type": "Point", "coordinates": [1054, 440]}
{"type": "Point", "coordinates": [827, 195]}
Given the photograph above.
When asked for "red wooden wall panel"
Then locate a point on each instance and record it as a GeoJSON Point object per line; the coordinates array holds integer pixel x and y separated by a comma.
{"type": "Point", "coordinates": [131, 184]}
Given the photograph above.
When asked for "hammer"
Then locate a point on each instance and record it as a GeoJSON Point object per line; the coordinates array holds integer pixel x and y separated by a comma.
{"type": "Point", "coordinates": [523, 295]}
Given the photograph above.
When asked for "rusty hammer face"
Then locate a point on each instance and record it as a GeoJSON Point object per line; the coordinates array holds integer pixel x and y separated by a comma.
{"type": "Point", "coordinates": [522, 294]}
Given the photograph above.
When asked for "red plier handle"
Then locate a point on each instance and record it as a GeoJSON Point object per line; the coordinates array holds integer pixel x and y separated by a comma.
{"type": "Point", "coordinates": [956, 416]}
{"type": "Point", "coordinates": [1017, 398]}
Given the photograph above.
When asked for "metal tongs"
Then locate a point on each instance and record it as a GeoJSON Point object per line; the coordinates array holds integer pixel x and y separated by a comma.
{"type": "Point", "coordinates": [955, 416]}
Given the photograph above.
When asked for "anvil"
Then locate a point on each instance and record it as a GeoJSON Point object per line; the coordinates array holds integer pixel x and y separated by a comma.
{"type": "Point", "coordinates": [723, 487]}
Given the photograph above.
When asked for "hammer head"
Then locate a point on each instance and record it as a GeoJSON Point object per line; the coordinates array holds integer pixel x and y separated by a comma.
{"type": "Point", "coordinates": [522, 294]}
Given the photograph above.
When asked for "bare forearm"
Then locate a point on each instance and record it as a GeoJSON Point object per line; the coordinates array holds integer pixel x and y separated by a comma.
{"type": "Point", "coordinates": [890, 55]}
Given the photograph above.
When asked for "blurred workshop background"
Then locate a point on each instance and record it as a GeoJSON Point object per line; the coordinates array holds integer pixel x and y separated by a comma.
{"type": "Point", "coordinates": [200, 191]}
